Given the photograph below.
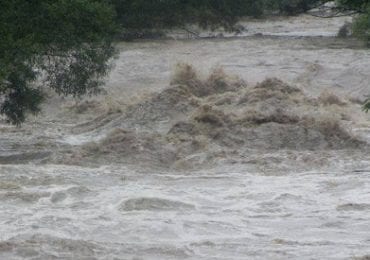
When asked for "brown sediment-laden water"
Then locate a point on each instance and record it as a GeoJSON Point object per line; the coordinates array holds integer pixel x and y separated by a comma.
{"type": "Point", "coordinates": [243, 147]}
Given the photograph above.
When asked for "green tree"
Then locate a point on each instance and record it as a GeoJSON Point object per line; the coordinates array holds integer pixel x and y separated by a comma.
{"type": "Point", "coordinates": [62, 44]}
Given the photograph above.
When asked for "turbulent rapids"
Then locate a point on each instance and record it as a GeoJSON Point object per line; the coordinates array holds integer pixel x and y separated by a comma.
{"type": "Point", "coordinates": [194, 123]}
{"type": "Point", "coordinates": [252, 147]}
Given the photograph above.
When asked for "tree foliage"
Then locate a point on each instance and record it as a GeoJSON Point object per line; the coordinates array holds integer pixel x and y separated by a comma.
{"type": "Point", "coordinates": [358, 5]}
{"type": "Point", "coordinates": [361, 26]}
{"type": "Point", "coordinates": [148, 14]}
{"type": "Point", "coordinates": [62, 44]}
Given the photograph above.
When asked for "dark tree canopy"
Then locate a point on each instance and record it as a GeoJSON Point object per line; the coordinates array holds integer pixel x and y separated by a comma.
{"type": "Point", "coordinates": [62, 44]}
{"type": "Point", "coordinates": [139, 14]}
{"type": "Point", "coordinates": [359, 5]}
{"type": "Point", "coordinates": [147, 14]}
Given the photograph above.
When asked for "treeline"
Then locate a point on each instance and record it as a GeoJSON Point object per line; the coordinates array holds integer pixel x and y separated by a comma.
{"type": "Point", "coordinates": [154, 14]}
{"type": "Point", "coordinates": [148, 15]}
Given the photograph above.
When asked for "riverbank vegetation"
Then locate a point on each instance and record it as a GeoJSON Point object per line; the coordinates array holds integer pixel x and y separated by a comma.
{"type": "Point", "coordinates": [140, 16]}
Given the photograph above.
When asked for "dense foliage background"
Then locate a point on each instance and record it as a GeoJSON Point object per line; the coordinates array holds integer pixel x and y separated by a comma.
{"type": "Point", "coordinates": [139, 14]}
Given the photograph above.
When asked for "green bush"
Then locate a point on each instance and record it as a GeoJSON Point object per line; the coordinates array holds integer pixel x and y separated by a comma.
{"type": "Point", "coordinates": [361, 26]}
{"type": "Point", "coordinates": [367, 105]}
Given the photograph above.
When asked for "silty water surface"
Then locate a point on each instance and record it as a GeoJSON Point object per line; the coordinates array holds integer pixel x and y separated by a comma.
{"type": "Point", "coordinates": [115, 211]}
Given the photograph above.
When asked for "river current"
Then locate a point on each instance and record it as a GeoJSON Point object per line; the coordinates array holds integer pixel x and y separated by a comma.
{"type": "Point", "coordinates": [67, 191]}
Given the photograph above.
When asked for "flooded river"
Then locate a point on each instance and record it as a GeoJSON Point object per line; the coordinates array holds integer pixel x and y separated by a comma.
{"type": "Point", "coordinates": [201, 161]}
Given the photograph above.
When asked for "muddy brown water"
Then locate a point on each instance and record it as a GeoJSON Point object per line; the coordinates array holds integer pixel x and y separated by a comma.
{"type": "Point", "coordinates": [218, 203]}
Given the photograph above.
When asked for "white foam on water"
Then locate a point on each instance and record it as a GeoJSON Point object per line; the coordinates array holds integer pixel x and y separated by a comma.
{"type": "Point", "coordinates": [239, 211]}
